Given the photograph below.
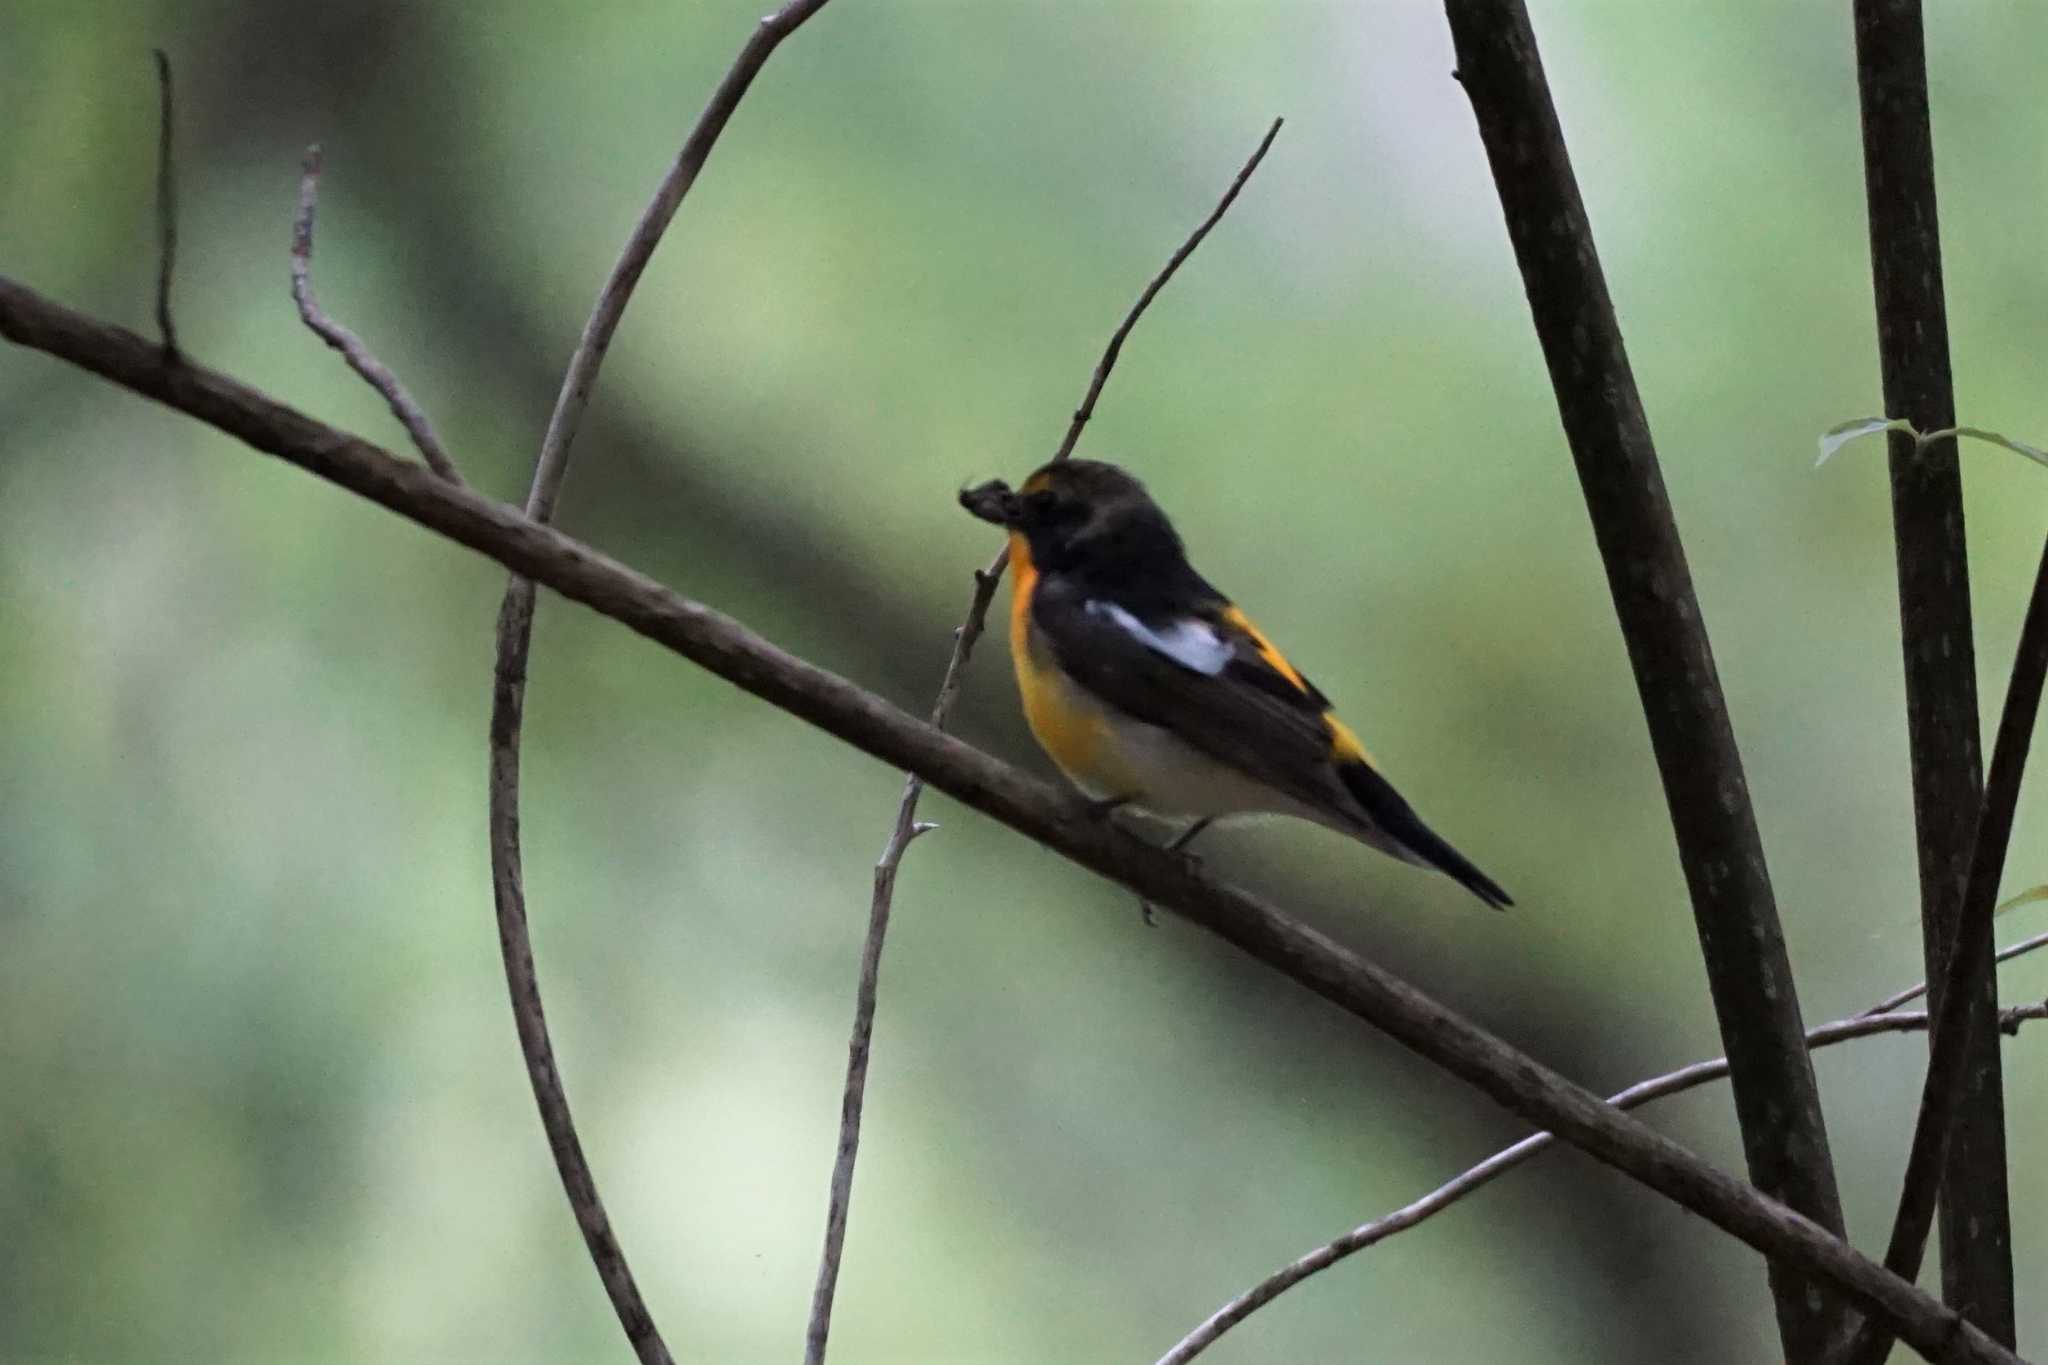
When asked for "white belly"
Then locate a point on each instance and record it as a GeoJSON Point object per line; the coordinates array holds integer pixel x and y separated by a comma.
{"type": "Point", "coordinates": [1155, 768]}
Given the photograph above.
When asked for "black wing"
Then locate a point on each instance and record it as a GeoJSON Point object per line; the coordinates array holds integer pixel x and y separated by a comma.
{"type": "Point", "coordinates": [1246, 713]}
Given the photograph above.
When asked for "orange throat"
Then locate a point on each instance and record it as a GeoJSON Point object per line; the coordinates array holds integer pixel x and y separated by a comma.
{"type": "Point", "coordinates": [1023, 578]}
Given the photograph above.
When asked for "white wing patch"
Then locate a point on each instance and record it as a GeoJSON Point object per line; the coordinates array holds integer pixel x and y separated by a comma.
{"type": "Point", "coordinates": [1188, 642]}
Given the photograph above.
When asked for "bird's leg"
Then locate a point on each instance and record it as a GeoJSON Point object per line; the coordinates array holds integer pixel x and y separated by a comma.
{"type": "Point", "coordinates": [1180, 842]}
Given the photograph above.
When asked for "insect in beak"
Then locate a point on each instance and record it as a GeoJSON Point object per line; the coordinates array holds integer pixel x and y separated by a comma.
{"type": "Point", "coordinates": [992, 501]}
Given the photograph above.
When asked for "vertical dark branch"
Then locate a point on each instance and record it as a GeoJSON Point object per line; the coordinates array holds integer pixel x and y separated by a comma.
{"type": "Point", "coordinates": [166, 205]}
{"type": "Point", "coordinates": [1784, 1137]}
{"type": "Point", "coordinates": [1957, 1030]}
{"type": "Point", "coordinates": [1934, 625]}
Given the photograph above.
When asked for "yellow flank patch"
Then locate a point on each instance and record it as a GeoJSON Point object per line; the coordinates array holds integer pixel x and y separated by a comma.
{"type": "Point", "coordinates": [1267, 651]}
{"type": "Point", "coordinates": [1344, 744]}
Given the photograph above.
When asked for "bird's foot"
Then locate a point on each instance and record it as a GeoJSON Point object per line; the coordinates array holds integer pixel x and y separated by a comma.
{"type": "Point", "coordinates": [1100, 809]}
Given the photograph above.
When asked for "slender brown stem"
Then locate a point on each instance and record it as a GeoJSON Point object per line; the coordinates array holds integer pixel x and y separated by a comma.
{"type": "Point", "coordinates": [1912, 993]}
{"type": "Point", "coordinates": [1748, 972]}
{"type": "Point", "coordinates": [853, 1096]}
{"type": "Point", "coordinates": [166, 205]}
{"type": "Point", "coordinates": [1967, 956]}
{"type": "Point", "coordinates": [1058, 821]}
{"type": "Point", "coordinates": [906, 825]}
{"type": "Point", "coordinates": [514, 641]}
{"type": "Point", "coordinates": [1934, 627]}
{"type": "Point", "coordinates": [373, 371]}
{"type": "Point", "coordinates": [1173, 263]}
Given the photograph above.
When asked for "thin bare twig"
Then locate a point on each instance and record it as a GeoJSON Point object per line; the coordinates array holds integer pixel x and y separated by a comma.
{"type": "Point", "coordinates": [1912, 993]}
{"type": "Point", "coordinates": [853, 1097]}
{"type": "Point", "coordinates": [508, 686]}
{"type": "Point", "coordinates": [166, 205]}
{"type": "Point", "coordinates": [373, 371]}
{"type": "Point", "coordinates": [908, 827]}
{"type": "Point", "coordinates": [1879, 1018]}
{"type": "Point", "coordinates": [1058, 821]}
{"type": "Point", "coordinates": [1968, 956]}
{"type": "Point", "coordinates": [1187, 249]}
{"type": "Point", "coordinates": [1742, 942]}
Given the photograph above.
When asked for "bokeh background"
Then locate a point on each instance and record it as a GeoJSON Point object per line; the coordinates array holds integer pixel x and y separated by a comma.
{"type": "Point", "coordinates": [263, 1100]}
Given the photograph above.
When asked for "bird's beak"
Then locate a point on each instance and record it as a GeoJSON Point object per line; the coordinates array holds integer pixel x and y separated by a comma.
{"type": "Point", "coordinates": [992, 501]}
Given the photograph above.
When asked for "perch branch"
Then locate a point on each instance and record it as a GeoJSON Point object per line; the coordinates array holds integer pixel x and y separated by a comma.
{"type": "Point", "coordinates": [166, 204]}
{"type": "Point", "coordinates": [1934, 627]}
{"type": "Point", "coordinates": [1965, 957]}
{"type": "Point", "coordinates": [907, 826]}
{"type": "Point", "coordinates": [1784, 1136]}
{"type": "Point", "coordinates": [1877, 1019]}
{"type": "Point", "coordinates": [373, 371]}
{"type": "Point", "coordinates": [1058, 821]}
{"type": "Point", "coordinates": [508, 685]}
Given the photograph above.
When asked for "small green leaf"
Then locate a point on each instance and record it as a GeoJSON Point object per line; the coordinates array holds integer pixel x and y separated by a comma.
{"type": "Point", "coordinates": [2028, 897]}
{"type": "Point", "coordinates": [1835, 437]}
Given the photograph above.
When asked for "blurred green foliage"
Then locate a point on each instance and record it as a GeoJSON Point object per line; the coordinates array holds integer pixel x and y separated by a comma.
{"type": "Point", "coordinates": [263, 1097]}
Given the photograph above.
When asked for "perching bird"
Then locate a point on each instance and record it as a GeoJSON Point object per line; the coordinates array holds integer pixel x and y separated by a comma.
{"type": "Point", "coordinates": [1148, 687]}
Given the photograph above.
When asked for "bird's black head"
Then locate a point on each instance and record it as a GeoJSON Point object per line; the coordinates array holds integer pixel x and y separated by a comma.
{"type": "Point", "coordinates": [1082, 517]}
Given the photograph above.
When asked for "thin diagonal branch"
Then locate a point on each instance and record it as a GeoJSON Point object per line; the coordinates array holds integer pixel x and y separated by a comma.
{"type": "Point", "coordinates": [1756, 1002]}
{"type": "Point", "coordinates": [1173, 263]}
{"type": "Point", "coordinates": [166, 205]}
{"type": "Point", "coordinates": [907, 826]}
{"type": "Point", "coordinates": [1055, 820]}
{"type": "Point", "coordinates": [373, 371]}
{"type": "Point", "coordinates": [508, 685]}
{"type": "Point", "coordinates": [1879, 1018]}
{"type": "Point", "coordinates": [1912, 993]}
{"type": "Point", "coordinates": [1966, 957]}
{"type": "Point", "coordinates": [1934, 626]}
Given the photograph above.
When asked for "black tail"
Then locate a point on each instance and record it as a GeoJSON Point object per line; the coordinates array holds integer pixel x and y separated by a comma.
{"type": "Point", "coordinates": [1395, 820]}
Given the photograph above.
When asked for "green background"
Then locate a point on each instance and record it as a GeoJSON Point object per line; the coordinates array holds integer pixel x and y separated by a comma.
{"type": "Point", "coordinates": [262, 1096]}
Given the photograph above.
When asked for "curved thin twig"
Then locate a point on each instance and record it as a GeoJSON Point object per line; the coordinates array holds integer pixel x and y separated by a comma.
{"type": "Point", "coordinates": [1058, 821]}
{"type": "Point", "coordinates": [1879, 1018]}
{"type": "Point", "coordinates": [508, 688]}
{"type": "Point", "coordinates": [373, 371]}
{"type": "Point", "coordinates": [907, 826]}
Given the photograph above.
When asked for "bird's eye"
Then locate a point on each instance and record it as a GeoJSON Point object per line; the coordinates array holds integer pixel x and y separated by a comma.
{"type": "Point", "coordinates": [1042, 506]}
